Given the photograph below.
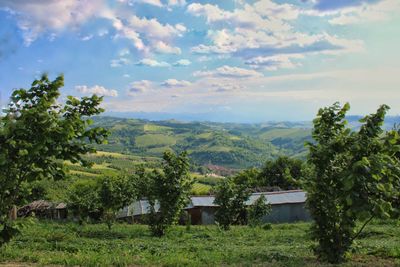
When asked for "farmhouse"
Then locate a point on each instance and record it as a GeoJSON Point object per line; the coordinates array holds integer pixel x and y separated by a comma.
{"type": "Point", "coordinates": [287, 206]}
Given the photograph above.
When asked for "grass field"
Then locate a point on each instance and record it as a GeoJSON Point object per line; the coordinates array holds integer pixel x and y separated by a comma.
{"type": "Point", "coordinates": [50, 243]}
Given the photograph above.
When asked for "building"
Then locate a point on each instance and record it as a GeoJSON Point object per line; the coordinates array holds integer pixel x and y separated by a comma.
{"type": "Point", "coordinates": [287, 206]}
{"type": "Point", "coordinates": [44, 209]}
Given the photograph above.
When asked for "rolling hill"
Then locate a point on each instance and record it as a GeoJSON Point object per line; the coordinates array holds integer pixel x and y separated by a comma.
{"type": "Point", "coordinates": [230, 145]}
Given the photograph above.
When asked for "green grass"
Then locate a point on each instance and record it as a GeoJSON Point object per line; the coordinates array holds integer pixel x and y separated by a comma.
{"type": "Point", "coordinates": [154, 140]}
{"type": "Point", "coordinates": [51, 243]}
{"type": "Point", "coordinates": [155, 128]}
{"type": "Point", "coordinates": [285, 133]}
{"type": "Point", "coordinates": [200, 189]}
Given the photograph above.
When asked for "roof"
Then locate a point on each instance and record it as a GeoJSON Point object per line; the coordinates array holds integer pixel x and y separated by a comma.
{"type": "Point", "coordinates": [280, 197]}
{"type": "Point", "coordinates": [137, 208]}
{"type": "Point", "coordinates": [61, 206]}
{"type": "Point", "coordinates": [274, 198]}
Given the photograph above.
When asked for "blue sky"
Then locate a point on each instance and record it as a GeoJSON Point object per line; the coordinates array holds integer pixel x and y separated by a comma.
{"type": "Point", "coordinates": [237, 60]}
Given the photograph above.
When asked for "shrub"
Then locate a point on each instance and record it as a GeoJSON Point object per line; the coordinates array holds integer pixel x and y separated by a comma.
{"type": "Point", "coordinates": [258, 210]}
{"type": "Point", "coordinates": [356, 177]}
{"type": "Point", "coordinates": [167, 191]}
{"type": "Point", "coordinates": [231, 199]}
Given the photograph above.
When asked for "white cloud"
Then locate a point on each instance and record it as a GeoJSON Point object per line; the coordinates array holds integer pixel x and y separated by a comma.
{"type": "Point", "coordinates": [228, 72]}
{"type": "Point", "coordinates": [152, 63]}
{"type": "Point", "coordinates": [149, 2]}
{"type": "Point", "coordinates": [176, 2]}
{"type": "Point", "coordinates": [182, 62]}
{"type": "Point", "coordinates": [147, 34]}
{"type": "Point", "coordinates": [223, 87]}
{"type": "Point", "coordinates": [124, 52]}
{"type": "Point", "coordinates": [163, 48]}
{"type": "Point", "coordinates": [119, 62]}
{"type": "Point", "coordinates": [102, 32]}
{"type": "Point", "coordinates": [49, 16]}
{"type": "Point", "coordinates": [275, 62]}
{"type": "Point", "coordinates": [171, 83]}
{"type": "Point", "coordinates": [87, 37]}
{"type": "Point", "coordinates": [379, 11]}
{"type": "Point", "coordinates": [96, 89]}
{"type": "Point", "coordinates": [139, 87]}
{"type": "Point", "coordinates": [264, 30]}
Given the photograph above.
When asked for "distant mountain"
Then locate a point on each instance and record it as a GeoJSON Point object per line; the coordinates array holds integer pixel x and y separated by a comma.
{"type": "Point", "coordinates": [231, 145]}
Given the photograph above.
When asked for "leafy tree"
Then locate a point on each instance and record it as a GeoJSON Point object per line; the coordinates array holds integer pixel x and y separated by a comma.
{"type": "Point", "coordinates": [167, 191]}
{"type": "Point", "coordinates": [37, 134]}
{"type": "Point", "coordinates": [231, 198]}
{"type": "Point", "coordinates": [356, 178]}
{"type": "Point", "coordinates": [258, 210]}
{"type": "Point", "coordinates": [248, 177]}
{"type": "Point", "coordinates": [284, 172]}
{"type": "Point", "coordinates": [84, 200]}
{"type": "Point", "coordinates": [114, 194]}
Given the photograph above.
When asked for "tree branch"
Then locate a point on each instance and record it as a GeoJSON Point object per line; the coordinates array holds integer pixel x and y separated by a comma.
{"type": "Point", "coordinates": [362, 228]}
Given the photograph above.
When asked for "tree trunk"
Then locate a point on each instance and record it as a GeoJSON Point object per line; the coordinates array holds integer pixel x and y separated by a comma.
{"type": "Point", "coordinates": [13, 213]}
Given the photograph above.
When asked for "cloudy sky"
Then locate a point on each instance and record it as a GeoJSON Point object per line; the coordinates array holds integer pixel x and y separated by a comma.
{"type": "Point", "coordinates": [236, 60]}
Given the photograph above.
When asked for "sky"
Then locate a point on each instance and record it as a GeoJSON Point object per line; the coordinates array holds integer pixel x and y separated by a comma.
{"type": "Point", "coordinates": [228, 60]}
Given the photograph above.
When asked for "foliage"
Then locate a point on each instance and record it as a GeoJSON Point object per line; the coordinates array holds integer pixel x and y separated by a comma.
{"type": "Point", "coordinates": [258, 210]}
{"type": "Point", "coordinates": [84, 200]}
{"type": "Point", "coordinates": [248, 177]}
{"type": "Point", "coordinates": [231, 198]}
{"type": "Point", "coordinates": [114, 194]}
{"type": "Point", "coordinates": [355, 178]}
{"type": "Point", "coordinates": [36, 132]}
{"type": "Point", "coordinates": [284, 172]}
{"type": "Point", "coordinates": [167, 191]}
{"type": "Point", "coordinates": [206, 143]}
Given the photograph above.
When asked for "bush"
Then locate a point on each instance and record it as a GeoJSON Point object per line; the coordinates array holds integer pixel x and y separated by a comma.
{"type": "Point", "coordinates": [231, 199]}
{"type": "Point", "coordinates": [167, 191]}
{"type": "Point", "coordinates": [356, 177]}
{"type": "Point", "coordinates": [258, 210]}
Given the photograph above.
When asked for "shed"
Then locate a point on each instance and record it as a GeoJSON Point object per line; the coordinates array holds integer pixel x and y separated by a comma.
{"type": "Point", "coordinates": [287, 206]}
{"type": "Point", "coordinates": [44, 209]}
{"type": "Point", "coordinates": [137, 211]}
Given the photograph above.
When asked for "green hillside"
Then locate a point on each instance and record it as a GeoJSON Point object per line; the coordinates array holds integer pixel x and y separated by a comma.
{"type": "Point", "coordinates": [230, 145]}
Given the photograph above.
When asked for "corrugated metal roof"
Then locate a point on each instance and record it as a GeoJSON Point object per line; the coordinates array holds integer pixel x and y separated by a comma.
{"type": "Point", "coordinates": [206, 201]}
{"type": "Point", "coordinates": [274, 198]}
{"type": "Point", "coordinates": [137, 208]}
{"type": "Point", "coordinates": [283, 197]}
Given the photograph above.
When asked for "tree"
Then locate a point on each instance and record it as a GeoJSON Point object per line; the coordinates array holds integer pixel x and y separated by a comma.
{"type": "Point", "coordinates": [258, 210]}
{"type": "Point", "coordinates": [284, 172]}
{"type": "Point", "coordinates": [356, 178]}
{"type": "Point", "coordinates": [37, 134]}
{"type": "Point", "coordinates": [167, 191]}
{"type": "Point", "coordinates": [231, 198]}
{"type": "Point", "coordinates": [114, 194]}
{"type": "Point", "coordinates": [84, 200]}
